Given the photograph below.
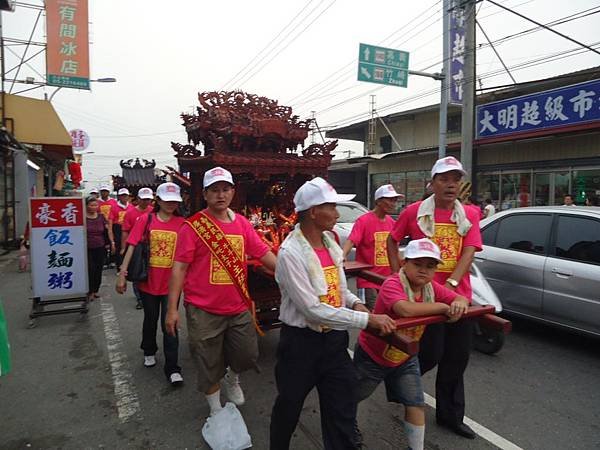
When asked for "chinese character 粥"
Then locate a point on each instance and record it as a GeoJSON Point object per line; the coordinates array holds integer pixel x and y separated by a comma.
{"type": "Point", "coordinates": [56, 237]}
{"type": "Point", "coordinates": [486, 122]}
{"type": "Point", "coordinates": [530, 113]}
{"type": "Point", "coordinates": [582, 102]}
{"type": "Point", "coordinates": [60, 280]}
{"type": "Point", "coordinates": [554, 108]}
{"type": "Point", "coordinates": [69, 213]}
{"type": "Point", "coordinates": [508, 117]}
{"type": "Point", "coordinates": [44, 214]}
{"type": "Point", "coordinates": [458, 48]}
{"type": "Point", "coordinates": [63, 259]}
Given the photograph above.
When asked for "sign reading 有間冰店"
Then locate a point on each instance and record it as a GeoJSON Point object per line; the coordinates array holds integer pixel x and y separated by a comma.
{"type": "Point", "coordinates": [382, 65]}
{"type": "Point", "coordinates": [569, 105]}
{"type": "Point", "coordinates": [58, 247]}
{"type": "Point", "coordinates": [67, 49]}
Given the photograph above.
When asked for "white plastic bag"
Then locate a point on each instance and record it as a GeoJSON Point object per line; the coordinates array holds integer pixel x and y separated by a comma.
{"type": "Point", "coordinates": [226, 430]}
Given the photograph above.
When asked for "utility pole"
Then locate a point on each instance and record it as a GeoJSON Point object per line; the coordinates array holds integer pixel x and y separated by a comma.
{"type": "Point", "coordinates": [445, 80]}
{"type": "Point", "coordinates": [468, 109]}
{"type": "Point", "coordinates": [314, 126]}
{"type": "Point", "coordinates": [372, 129]}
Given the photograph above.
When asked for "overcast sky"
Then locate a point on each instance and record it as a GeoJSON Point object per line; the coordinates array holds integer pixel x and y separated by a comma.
{"type": "Point", "coordinates": [163, 53]}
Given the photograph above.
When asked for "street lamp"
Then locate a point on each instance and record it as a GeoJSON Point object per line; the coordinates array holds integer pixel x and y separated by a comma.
{"type": "Point", "coordinates": [99, 80]}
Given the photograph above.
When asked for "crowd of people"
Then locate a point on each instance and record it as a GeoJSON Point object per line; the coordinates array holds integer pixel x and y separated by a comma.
{"type": "Point", "coordinates": [201, 261]}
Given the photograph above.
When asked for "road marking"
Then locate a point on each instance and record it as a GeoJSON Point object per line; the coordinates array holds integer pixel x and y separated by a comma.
{"type": "Point", "coordinates": [128, 404]}
{"type": "Point", "coordinates": [482, 431]}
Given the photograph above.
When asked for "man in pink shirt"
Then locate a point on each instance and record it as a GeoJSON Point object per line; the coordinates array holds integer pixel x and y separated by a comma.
{"type": "Point", "coordinates": [105, 205]}
{"type": "Point", "coordinates": [145, 197]}
{"type": "Point", "coordinates": [210, 267]}
{"type": "Point", "coordinates": [455, 230]}
{"type": "Point", "coordinates": [115, 222]}
{"type": "Point", "coordinates": [369, 236]}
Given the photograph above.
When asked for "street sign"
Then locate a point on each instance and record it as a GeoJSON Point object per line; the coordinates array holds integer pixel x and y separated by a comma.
{"type": "Point", "coordinates": [382, 65]}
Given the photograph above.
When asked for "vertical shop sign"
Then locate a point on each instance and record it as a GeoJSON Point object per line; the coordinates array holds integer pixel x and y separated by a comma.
{"type": "Point", "coordinates": [58, 247]}
{"type": "Point", "coordinates": [457, 52]}
{"type": "Point", "coordinates": [67, 50]}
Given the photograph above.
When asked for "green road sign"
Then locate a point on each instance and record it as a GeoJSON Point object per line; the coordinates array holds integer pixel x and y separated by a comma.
{"type": "Point", "coordinates": [382, 65]}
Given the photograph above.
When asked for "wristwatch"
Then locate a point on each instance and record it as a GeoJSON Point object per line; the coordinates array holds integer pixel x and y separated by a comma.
{"type": "Point", "coordinates": [452, 282]}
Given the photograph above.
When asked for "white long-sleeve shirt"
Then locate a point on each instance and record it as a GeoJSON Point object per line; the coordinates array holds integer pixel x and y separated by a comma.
{"type": "Point", "coordinates": [300, 303]}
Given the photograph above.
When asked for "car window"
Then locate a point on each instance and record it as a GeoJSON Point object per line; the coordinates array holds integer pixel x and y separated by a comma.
{"type": "Point", "coordinates": [524, 232]}
{"type": "Point", "coordinates": [349, 213]}
{"type": "Point", "coordinates": [488, 234]}
{"type": "Point", "coordinates": [578, 238]}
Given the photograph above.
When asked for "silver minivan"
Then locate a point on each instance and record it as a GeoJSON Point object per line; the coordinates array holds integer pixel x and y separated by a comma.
{"type": "Point", "coordinates": [544, 263]}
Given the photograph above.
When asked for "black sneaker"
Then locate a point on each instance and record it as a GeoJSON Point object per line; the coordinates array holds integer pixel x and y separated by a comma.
{"type": "Point", "coordinates": [139, 305]}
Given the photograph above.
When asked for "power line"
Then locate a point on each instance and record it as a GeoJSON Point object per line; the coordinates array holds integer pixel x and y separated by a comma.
{"type": "Point", "coordinates": [269, 44]}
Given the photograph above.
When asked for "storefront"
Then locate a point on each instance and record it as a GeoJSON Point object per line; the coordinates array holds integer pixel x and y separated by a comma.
{"type": "Point", "coordinates": [535, 143]}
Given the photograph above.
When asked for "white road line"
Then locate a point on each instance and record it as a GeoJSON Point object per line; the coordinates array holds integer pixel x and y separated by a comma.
{"type": "Point", "coordinates": [128, 404]}
{"type": "Point", "coordinates": [482, 431]}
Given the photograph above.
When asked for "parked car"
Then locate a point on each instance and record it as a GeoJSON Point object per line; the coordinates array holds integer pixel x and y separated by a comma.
{"type": "Point", "coordinates": [544, 264]}
{"type": "Point", "coordinates": [349, 212]}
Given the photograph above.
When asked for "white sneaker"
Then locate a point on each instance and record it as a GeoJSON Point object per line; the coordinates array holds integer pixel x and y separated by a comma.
{"type": "Point", "coordinates": [149, 361]}
{"type": "Point", "coordinates": [175, 378]}
{"type": "Point", "coordinates": [232, 388]}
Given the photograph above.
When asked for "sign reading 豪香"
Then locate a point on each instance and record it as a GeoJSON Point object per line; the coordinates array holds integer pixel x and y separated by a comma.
{"type": "Point", "coordinates": [382, 65]}
{"type": "Point", "coordinates": [568, 105]}
{"type": "Point", "coordinates": [457, 52]}
{"type": "Point", "coordinates": [67, 47]}
{"type": "Point", "coordinates": [58, 246]}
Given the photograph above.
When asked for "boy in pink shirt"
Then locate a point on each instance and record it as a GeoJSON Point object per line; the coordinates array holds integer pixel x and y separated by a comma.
{"type": "Point", "coordinates": [369, 235]}
{"type": "Point", "coordinates": [210, 267]}
{"type": "Point", "coordinates": [408, 293]}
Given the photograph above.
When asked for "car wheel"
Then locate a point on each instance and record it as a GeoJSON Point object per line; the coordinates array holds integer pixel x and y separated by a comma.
{"type": "Point", "coordinates": [486, 340]}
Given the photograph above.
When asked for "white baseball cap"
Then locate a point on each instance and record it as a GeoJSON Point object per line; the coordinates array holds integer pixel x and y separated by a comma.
{"type": "Point", "coordinates": [145, 193]}
{"type": "Point", "coordinates": [217, 174]}
{"type": "Point", "coordinates": [105, 187]}
{"type": "Point", "coordinates": [169, 192]}
{"type": "Point", "coordinates": [123, 191]}
{"type": "Point", "coordinates": [422, 248]}
{"type": "Point", "coordinates": [447, 164]}
{"type": "Point", "coordinates": [94, 191]}
{"type": "Point", "coordinates": [317, 192]}
{"type": "Point", "coordinates": [386, 191]}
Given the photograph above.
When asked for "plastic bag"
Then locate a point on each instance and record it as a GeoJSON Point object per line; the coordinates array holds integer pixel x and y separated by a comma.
{"type": "Point", "coordinates": [226, 430]}
{"type": "Point", "coordinates": [4, 345]}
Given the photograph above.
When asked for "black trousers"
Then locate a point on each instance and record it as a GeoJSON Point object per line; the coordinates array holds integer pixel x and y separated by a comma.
{"type": "Point", "coordinates": [307, 359]}
{"type": "Point", "coordinates": [447, 345]}
{"type": "Point", "coordinates": [117, 235]}
{"type": "Point", "coordinates": [155, 306]}
{"type": "Point", "coordinates": [95, 260]}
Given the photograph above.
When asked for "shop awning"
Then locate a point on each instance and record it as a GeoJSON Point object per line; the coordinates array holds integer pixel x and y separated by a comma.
{"type": "Point", "coordinates": [36, 122]}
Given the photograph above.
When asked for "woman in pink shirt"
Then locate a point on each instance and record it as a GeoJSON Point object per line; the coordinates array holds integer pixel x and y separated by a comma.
{"type": "Point", "coordinates": [163, 225]}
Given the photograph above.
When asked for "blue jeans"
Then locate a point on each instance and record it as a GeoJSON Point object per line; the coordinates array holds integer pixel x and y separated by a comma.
{"type": "Point", "coordinates": [402, 383]}
{"type": "Point", "coordinates": [155, 306]}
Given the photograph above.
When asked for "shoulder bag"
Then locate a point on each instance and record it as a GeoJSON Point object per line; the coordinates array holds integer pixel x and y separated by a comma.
{"type": "Point", "coordinates": [140, 260]}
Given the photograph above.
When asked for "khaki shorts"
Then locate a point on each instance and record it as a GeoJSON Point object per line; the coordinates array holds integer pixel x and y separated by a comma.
{"type": "Point", "coordinates": [217, 342]}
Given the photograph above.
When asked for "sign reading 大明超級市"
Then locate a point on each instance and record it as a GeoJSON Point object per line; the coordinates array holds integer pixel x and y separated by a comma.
{"type": "Point", "coordinates": [382, 65]}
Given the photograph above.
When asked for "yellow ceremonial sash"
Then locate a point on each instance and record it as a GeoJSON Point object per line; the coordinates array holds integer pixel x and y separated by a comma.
{"type": "Point", "coordinates": [220, 247]}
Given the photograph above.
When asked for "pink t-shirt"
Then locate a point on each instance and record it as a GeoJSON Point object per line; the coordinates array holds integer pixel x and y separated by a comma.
{"type": "Point", "coordinates": [117, 213]}
{"type": "Point", "coordinates": [104, 207]}
{"type": "Point", "coordinates": [163, 239]}
{"type": "Point", "coordinates": [207, 285]}
{"type": "Point", "coordinates": [391, 291]}
{"type": "Point", "coordinates": [332, 277]}
{"type": "Point", "coordinates": [369, 235]}
{"type": "Point", "coordinates": [447, 239]}
{"type": "Point", "coordinates": [131, 216]}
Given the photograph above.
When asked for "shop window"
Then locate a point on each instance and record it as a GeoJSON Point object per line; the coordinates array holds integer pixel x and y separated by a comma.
{"type": "Point", "coordinates": [562, 187]}
{"type": "Point", "coordinates": [488, 186]}
{"type": "Point", "coordinates": [578, 239]}
{"type": "Point", "coordinates": [586, 184]}
{"type": "Point", "coordinates": [516, 190]}
{"type": "Point", "coordinates": [385, 143]}
{"type": "Point", "coordinates": [415, 185]}
{"type": "Point", "coordinates": [524, 232]}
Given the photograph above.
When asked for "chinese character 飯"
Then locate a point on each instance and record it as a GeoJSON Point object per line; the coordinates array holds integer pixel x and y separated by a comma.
{"type": "Point", "coordinates": [59, 237]}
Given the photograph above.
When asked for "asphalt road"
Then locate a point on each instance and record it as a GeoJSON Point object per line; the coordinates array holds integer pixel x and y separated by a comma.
{"type": "Point", "coordinates": [81, 384]}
